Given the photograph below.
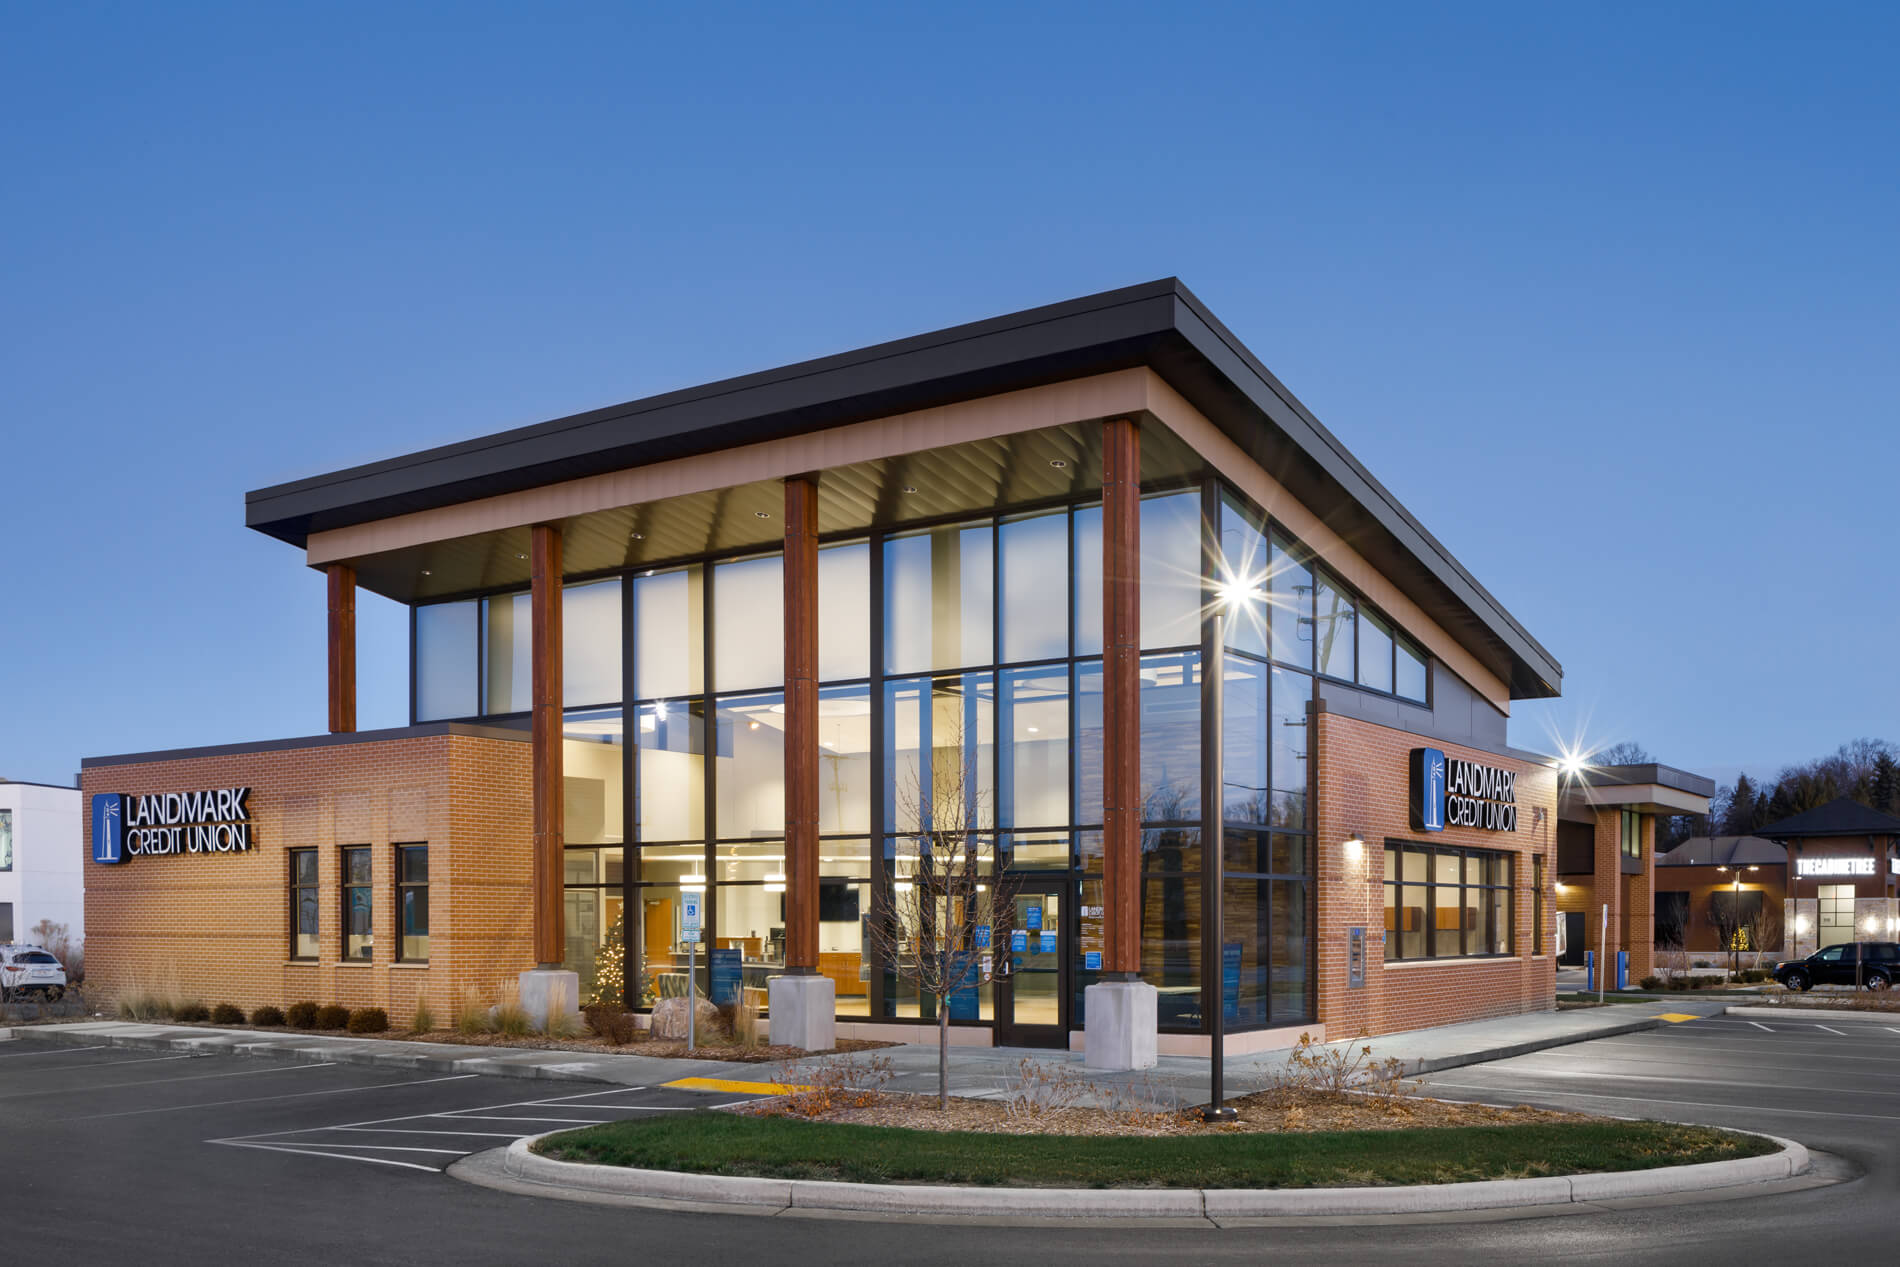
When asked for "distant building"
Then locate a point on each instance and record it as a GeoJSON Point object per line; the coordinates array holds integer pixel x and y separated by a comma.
{"type": "Point", "coordinates": [42, 875]}
{"type": "Point", "coordinates": [1700, 880]}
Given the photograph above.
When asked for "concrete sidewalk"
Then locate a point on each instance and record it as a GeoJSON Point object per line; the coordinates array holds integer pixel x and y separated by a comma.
{"type": "Point", "coordinates": [977, 1072]}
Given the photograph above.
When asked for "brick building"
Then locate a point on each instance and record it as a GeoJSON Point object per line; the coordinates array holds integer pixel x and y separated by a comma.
{"type": "Point", "coordinates": [1228, 723]}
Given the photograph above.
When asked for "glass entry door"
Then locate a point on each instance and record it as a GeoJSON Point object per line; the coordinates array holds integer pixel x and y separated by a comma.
{"type": "Point", "coordinates": [1032, 956]}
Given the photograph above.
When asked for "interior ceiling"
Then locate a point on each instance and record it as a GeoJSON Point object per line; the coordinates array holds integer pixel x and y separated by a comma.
{"type": "Point", "coordinates": [979, 477]}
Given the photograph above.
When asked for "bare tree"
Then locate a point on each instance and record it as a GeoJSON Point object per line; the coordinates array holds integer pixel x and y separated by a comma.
{"type": "Point", "coordinates": [931, 926]}
{"type": "Point", "coordinates": [1672, 938]}
{"type": "Point", "coordinates": [1763, 930]}
{"type": "Point", "coordinates": [1725, 916]}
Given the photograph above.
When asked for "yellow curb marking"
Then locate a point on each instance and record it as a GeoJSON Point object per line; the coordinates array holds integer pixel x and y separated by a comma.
{"type": "Point", "coordinates": [1677, 1017]}
{"type": "Point", "coordinates": [742, 1088]}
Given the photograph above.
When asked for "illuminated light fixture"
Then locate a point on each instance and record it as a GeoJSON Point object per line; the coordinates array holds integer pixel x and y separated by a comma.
{"type": "Point", "coordinates": [1873, 924]}
{"type": "Point", "coordinates": [1754, 868]}
{"type": "Point", "coordinates": [694, 883]}
{"type": "Point", "coordinates": [902, 886]}
{"type": "Point", "coordinates": [763, 514]}
{"type": "Point", "coordinates": [634, 536]}
{"type": "Point", "coordinates": [521, 556]}
{"type": "Point", "coordinates": [1801, 924]}
{"type": "Point", "coordinates": [427, 572]}
{"type": "Point", "coordinates": [752, 725]}
{"type": "Point", "coordinates": [1355, 846]}
{"type": "Point", "coordinates": [1237, 590]}
{"type": "Point", "coordinates": [1034, 731]}
{"type": "Point", "coordinates": [1571, 764]}
{"type": "Point", "coordinates": [982, 888]}
{"type": "Point", "coordinates": [910, 488]}
{"type": "Point", "coordinates": [775, 884]}
{"type": "Point", "coordinates": [1059, 463]}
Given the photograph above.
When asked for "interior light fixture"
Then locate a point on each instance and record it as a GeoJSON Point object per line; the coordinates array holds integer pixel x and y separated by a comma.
{"type": "Point", "coordinates": [775, 883]}
{"type": "Point", "coordinates": [521, 556]}
{"type": "Point", "coordinates": [427, 572]}
{"type": "Point", "coordinates": [763, 514]}
{"type": "Point", "coordinates": [694, 883]}
{"type": "Point", "coordinates": [635, 536]}
{"type": "Point", "coordinates": [1059, 463]}
{"type": "Point", "coordinates": [910, 488]}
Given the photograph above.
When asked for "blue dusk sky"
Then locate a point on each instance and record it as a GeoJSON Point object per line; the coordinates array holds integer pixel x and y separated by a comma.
{"type": "Point", "coordinates": [1604, 293]}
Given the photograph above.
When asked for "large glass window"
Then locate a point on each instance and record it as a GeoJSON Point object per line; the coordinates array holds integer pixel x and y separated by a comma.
{"type": "Point", "coordinates": [593, 765]}
{"type": "Point", "coordinates": [749, 778]}
{"type": "Point", "coordinates": [1171, 948]}
{"type": "Point", "coordinates": [1292, 693]}
{"type": "Point", "coordinates": [1632, 824]}
{"type": "Point", "coordinates": [1171, 737]}
{"type": "Point", "coordinates": [303, 904]}
{"type": "Point", "coordinates": [1333, 628]}
{"type": "Point", "coordinates": [1413, 680]}
{"type": "Point", "coordinates": [940, 752]}
{"type": "Point", "coordinates": [448, 650]}
{"type": "Point", "coordinates": [749, 623]}
{"type": "Point", "coordinates": [1243, 553]}
{"type": "Point", "coordinates": [412, 903]}
{"type": "Point", "coordinates": [844, 760]}
{"type": "Point", "coordinates": [1375, 652]}
{"type": "Point", "coordinates": [1445, 903]}
{"type": "Point", "coordinates": [1087, 586]}
{"type": "Point", "coordinates": [669, 633]}
{"type": "Point", "coordinates": [1035, 618]}
{"type": "Point", "coordinates": [591, 644]}
{"type": "Point", "coordinates": [1033, 774]}
{"type": "Point", "coordinates": [507, 654]}
{"type": "Point", "coordinates": [672, 769]}
{"type": "Point", "coordinates": [595, 922]}
{"type": "Point", "coordinates": [1290, 598]}
{"type": "Point", "coordinates": [6, 840]}
{"type": "Point", "coordinates": [1171, 565]}
{"type": "Point", "coordinates": [1245, 726]}
{"type": "Point", "coordinates": [358, 906]}
{"type": "Point", "coordinates": [844, 612]}
{"type": "Point", "coordinates": [938, 599]}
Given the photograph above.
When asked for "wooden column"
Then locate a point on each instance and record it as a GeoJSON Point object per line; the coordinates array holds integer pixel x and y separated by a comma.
{"type": "Point", "coordinates": [1121, 699]}
{"type": "Point", "coordinates": [801, 725]}
{"type": "Point", "coordinates": [549, 792]}
{"type": "Point", "coordinates": [342, 579]}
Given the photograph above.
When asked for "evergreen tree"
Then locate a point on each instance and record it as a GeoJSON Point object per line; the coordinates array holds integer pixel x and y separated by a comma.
{"type": "Point", "coordinates": [610, 982]}
{"type": "Point", "coordinates": [1886, 782]}
{"type": "Point", "coordinates": [1739, 819]}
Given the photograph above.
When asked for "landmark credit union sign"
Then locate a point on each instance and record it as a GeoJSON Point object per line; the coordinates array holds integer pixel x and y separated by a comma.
{"type": "Point", "coordinates": [1449, 792]}
{"type": "Point", "coordinates": [214, 821]}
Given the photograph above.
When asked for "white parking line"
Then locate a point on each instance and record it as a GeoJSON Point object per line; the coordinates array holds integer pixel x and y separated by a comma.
{"type": "Point", "coordinates": [1758, 1025]}
{"type": "Point", "coordinates": [478, 1117]}
{"type": "Point", "coordinates": [53, 1051]}
{"type": "Point", "coordinates": [308, 1152]}
{"type": "Point", "coordinates": [1689, 1104]}
{"type": "Point", "coordinates": [1831, 1030]}
{"type": "Point", "coordinates": [290, 1095]}
{"type": "Point", "coordinates": [381, 1148]}
{"type": "Point", "coordinates": [392, 1130]}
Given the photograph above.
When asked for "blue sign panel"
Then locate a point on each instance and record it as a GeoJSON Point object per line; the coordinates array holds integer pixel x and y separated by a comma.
{"type": "Point", "coordinates": [982, 936]}
{"type": "Point", "coordinates": [108, 828]}
{"type": "Point", "coordinates": [690, 903]}
{"type": "Point", "coordinates": [1230, 980]}
{"type": "Point", "coordinates": [1019, 941]}
{"type": "Point", "coordinates": [728, 975]}
{"type": "Point", "coordinates": [1428, 789]}
{"type": "Point", "coordinates": [963, 1005]}
{"type": "Point", "coordinates": [1032, 918]}
{"type": "Point", "coordinates": [1047, 945]}
{"type": "Point", "coordinates": [1092, 961]}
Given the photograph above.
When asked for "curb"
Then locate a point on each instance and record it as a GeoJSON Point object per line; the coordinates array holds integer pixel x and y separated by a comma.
{"type": "Point", "coordinates": [271, 1046]}
{"type": "Point", "coordinates": [1813, 1013]}
{"type": "Point", "coordinates": [1438, 1064]}
{"type": "Point", "coordinates": [580, 1181]}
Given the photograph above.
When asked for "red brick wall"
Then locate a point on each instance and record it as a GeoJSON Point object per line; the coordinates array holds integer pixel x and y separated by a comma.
{"type": "Point", "coordinates": [216, 927]}
{"type": "Point", "coordinates": [1363, 785]}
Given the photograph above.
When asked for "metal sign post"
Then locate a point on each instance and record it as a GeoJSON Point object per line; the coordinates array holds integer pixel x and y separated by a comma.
{"type": "Point", "coordinates": [1603, 951]}
{"type": "Point", "coordinates": [689, 927]}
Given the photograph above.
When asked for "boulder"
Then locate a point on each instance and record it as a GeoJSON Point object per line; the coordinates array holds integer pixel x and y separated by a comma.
{"type": "Point", "coordinates": [669, 1019]}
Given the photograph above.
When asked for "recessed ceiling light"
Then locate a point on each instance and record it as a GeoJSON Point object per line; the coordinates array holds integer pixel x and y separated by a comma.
{"type": "Point", "coordinates": [762, 514]}
{"type": "Point", "coordinates": [427, 572]}
{"type": "Point", "coordinates": [1058, 463]}
{"type": "Point", "coordinates": [910, 488]}
{"type": "Point", "coordinates": [638, 537]}
{"type": "Point", "coordinates": [521, 556]}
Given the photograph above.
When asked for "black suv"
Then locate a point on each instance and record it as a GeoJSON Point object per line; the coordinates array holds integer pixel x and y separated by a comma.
{"type": "Point", "coordinates": [1874, 964]}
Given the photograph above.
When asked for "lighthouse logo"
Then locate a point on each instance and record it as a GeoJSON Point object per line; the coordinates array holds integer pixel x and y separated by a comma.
{"type": "Point", "coordinates": [108, 828]}
{"type": "Point", "coordinates": [1428, 789]}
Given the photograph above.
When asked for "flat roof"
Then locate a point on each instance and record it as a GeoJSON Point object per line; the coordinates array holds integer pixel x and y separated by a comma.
{"type": "Point", "coordinates": [1159, 324]}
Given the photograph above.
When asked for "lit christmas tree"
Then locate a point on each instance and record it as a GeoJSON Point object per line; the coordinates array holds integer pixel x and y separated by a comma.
{"type": "Point", "coordinates": [609, 966]}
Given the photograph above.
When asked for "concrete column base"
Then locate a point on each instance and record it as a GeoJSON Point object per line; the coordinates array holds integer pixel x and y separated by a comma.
{"type": "Point", "coordinates": [804, 1012]}
{"type": "Point", "coordinates": [546, 988]}
{"type": "Point", "coordinates": [1122, 1025]}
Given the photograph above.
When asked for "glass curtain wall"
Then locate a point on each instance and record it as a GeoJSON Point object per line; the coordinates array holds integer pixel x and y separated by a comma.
{"type": "Point", "coordinates": [960, 656]}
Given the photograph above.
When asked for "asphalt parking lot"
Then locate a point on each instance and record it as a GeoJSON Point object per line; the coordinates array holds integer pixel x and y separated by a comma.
{"type": "Point", "coordinates": [120, 1154]}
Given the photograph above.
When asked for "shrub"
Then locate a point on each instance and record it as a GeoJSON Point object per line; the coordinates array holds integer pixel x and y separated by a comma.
{"type": "Point", "coordinates": [368, 1020]}
{"type": "Point", "coordinates": [227, 1014]}
{"type": "Point", "coordinates": [333, 1017]}
{"type": "Point", "coordinates": [267, 1015]}
{"type": "Point", "coordinates": [1651, 983]}
{"type": "Point", "coordinates": [191, 1012]}
{"type": "Point", "coordinates": [425, 1017]}
{"type": "Point", "coordinates": [611, 1022]}
{"type": "Point", "coordinates": [302, 1015]}
{"type": "Point", "coordinates": [510, 1019]}
{"type": "Point", "coordinates": [471, 1014]}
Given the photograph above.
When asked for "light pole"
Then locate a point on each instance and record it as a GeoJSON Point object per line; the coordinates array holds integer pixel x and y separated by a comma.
{"type": "Point", "coordinates": [1231, 593]}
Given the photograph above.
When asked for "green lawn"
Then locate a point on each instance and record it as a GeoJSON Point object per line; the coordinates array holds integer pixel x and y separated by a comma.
{"type": "Point", "coordinates": [731, 1144]}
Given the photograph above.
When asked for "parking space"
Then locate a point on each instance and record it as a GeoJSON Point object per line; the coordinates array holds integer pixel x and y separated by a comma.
{"type": "Point", "coordinates": [1828, 1083]}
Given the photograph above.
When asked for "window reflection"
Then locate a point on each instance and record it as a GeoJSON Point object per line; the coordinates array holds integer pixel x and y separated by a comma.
{"type": "Point", "coordinates": [508, 654]}
{"type": "Point", "coordinates": [844, 612]}
{"type": "Point", "coordinates": [669, 640]}
{"type": "Point", "coordinates": [940, 751]}
{"type": "Point", "coordinates": [1035, 617]}
{"type": "Point", "coordinates": [447, 661]}
{"type": "Point", "coordinates": [938, 601]}
{"type": "Point", "coordinates": [591, 643]}
{"type": "Point", "coordinates": [672, 765]}
{"type": "Point", "coordinates": [1034, 770]}
{"type": "Point", "coordinates": [749, 779]}
{"type": "Point", "coordinates": [1333, 629]}
{"type": "Point", "coordinates": [749, 623]}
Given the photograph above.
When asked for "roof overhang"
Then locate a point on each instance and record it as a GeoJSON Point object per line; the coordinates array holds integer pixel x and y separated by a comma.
{"type": "Point", "coordinates": [1160, 325]}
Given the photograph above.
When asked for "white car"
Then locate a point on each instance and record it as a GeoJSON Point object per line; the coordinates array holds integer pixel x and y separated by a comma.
{"type": "Point", "coordinates": [29, 968]}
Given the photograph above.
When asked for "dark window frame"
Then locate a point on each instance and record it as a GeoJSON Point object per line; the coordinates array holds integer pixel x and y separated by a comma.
{"type": "Point", "coordinates": [1394, 888]}
{"type": "Point", "coordinates": [297, 890]}
{"type": "Point", "coordinates": [344, 890]}
{"type": "Point", "coordinates": [405, 887]}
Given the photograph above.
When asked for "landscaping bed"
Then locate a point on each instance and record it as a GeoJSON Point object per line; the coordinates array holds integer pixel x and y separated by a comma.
{"type": "Point", "coordinates": [1209, 1157]}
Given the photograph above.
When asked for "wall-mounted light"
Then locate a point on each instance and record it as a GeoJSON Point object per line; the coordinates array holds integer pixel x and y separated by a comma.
{"type": "Point", "coordinates": [1355, 846]}
{"type": "Point", "coordinates": [1801, 925]}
